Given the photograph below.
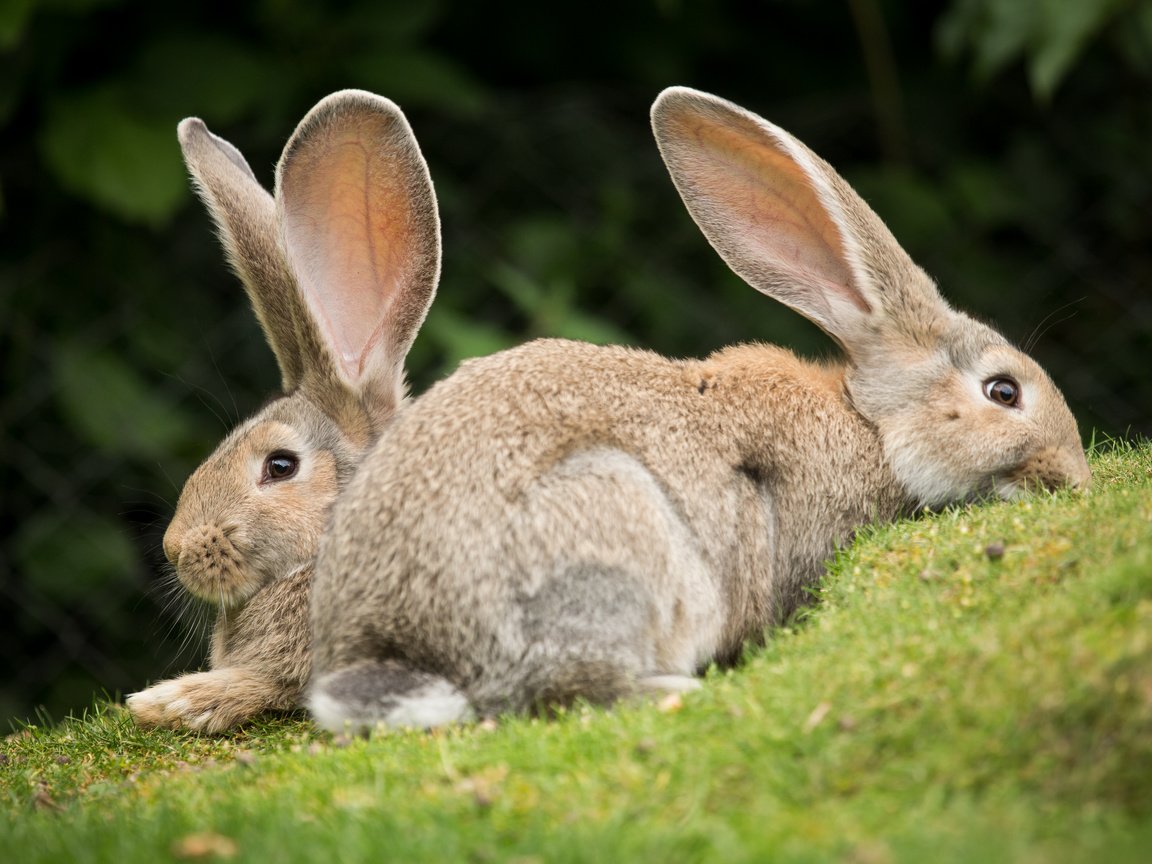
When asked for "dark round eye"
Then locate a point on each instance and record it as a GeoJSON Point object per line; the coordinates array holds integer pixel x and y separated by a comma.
{"type": "Point", "coordinates": [1003, 391]}
{"type": "Point", "coordinates": [280, 466]}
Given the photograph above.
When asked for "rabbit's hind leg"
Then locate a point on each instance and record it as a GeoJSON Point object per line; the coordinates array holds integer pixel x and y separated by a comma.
{"type": "Point", "coordinates": [385, 693]}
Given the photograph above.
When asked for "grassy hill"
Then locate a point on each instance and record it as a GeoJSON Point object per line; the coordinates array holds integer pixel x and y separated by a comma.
{"type": "Point", "coordinates": [972, 686]}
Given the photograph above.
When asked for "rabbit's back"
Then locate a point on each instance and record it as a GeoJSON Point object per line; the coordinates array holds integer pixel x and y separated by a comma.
{"type": "Point", "coordinates": [562, 482]}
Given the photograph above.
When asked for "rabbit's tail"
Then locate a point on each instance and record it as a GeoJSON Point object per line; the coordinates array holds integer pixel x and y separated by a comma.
{"type": "Point", "coordinates": [385, 693]}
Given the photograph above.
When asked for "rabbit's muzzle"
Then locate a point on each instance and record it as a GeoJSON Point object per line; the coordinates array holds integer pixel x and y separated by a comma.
{"type": "Point", "coordinates": [1053, 468]}
{"type": "Point", "coordinates": [209, 564]}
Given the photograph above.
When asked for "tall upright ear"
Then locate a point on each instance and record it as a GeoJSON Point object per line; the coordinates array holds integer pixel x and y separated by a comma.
{"type": "Point", "coordinates": [245, 217]}
{"type": "Point", "coordinates": [784, 220]}
{"type": "Point", "coordinates": [362, 234]}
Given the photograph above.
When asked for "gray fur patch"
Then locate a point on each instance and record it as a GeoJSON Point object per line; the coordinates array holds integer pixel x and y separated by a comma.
{"type": "Point", "coordinates": [387, 693]}
{"type": "Point", "coordinates": [588, 606]}
{"type": "Point", "coordinates": [373, 683]}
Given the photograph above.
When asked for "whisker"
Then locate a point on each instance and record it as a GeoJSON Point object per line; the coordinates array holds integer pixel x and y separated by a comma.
{"type": "Point", "coordinates": [201, 391]}
{"type": "Point", "coordinates": [224, 381]}
{"type": "Point", "coordinates": [171, 482]}
{"type": "Point", "coordinates": [221, 419]}
{"type": "Point", "coordinates": [1040, 329]}
{"type": "Point", "coordinates": [195, 631]}
{"type": "Point", "coordinates": [184, 614]}
{"type": "Point", "coordinates": [148, 494]}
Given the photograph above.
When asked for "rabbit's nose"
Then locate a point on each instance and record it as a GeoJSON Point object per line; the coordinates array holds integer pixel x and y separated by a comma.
{"type": "Point", "coordinates": [172, 547]}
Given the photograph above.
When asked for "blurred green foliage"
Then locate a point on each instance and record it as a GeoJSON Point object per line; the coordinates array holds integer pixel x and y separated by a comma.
{"type": "Point", "coordinates": [1006, 143]}
{"type": "Point", "coordinates": [1050, 35]}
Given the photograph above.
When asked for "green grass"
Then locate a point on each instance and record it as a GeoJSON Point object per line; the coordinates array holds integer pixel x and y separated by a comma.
{"type": "Point", "coordinates": [939, 704]}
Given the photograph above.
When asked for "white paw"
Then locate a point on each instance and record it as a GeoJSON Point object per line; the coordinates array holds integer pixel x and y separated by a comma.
{"type": "Point", "coordinates": [165, 697]}
{"type": "Point", "coordinates": [165, 704]}
{"type": "Point", "coordinates": [190, 702]}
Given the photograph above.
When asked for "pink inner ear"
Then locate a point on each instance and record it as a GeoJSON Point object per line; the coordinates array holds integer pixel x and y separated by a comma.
{"type": "Point", "coordinates": [762, 202]}
{"type": "Point", "coordinates": [347, 226]}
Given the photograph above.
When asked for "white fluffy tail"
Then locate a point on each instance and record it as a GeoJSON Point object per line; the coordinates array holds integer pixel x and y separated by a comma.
{"type": "Point", "coordinates": [385, 693]}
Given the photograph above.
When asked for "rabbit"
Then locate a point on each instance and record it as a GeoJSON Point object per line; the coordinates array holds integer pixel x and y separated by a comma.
{"type": "Point", "coordinates": [340, 267]}
{"type": "Point", "coordinates": [562, 521]}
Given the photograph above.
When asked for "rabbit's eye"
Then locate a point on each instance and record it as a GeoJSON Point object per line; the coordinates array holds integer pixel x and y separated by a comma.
{"type": "Point", "coordinates": [1003, 391]}
{"type": "Point", "coordinates": [280, 466]}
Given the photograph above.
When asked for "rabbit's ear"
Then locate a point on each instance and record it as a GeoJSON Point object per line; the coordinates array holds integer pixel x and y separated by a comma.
{"type": "Point", "coordinates": [785, 221]}
{"type": "Point", "coordinates": [361, 233]}
{"type": "Point", "coordinates": [245, 216]}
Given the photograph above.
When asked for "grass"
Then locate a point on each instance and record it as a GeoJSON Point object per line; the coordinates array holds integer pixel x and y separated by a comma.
{"type": "Point", "coordinates": [973, 686]}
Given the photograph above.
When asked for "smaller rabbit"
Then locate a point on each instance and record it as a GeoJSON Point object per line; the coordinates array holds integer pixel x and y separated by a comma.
{"type": "Point", "coordinates": [564, 521]}
{"type": "Point", "coordinates": [340, 267]}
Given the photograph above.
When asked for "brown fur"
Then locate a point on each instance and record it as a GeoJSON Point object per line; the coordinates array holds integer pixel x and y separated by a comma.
{"type": "Point", "coordinates": [719, 489]}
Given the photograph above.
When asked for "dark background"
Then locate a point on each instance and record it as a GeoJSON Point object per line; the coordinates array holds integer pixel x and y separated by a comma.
{"type": "Point", "coordinates": [1008, 144]}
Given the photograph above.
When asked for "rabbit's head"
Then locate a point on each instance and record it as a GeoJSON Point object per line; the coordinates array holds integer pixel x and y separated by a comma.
{"type": "Point", "coordinates": [960, 411]}
{"type": "Point", "coordinates": [340, 267]}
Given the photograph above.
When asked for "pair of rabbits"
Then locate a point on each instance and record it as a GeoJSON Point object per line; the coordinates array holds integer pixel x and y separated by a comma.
{"type": "Point", "coordinates": [560, 520]}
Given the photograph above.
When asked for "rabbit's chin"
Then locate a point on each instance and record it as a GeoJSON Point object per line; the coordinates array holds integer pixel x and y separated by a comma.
{"type": "Point", "coordinates": [939, 483]}
{"type": "Point", "coordinates": [935, 479]}
{"type": "Point", "coordinates": [1011, 490]}
{"type": "Point", "coordinates": [228, 591]}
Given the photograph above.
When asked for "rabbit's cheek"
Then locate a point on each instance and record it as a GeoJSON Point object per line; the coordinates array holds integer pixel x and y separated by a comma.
{"type": "Point", "coordinates": [291, 517]}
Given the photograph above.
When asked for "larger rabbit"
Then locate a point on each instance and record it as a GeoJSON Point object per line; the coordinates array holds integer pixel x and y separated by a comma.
{"type": "Point", "coordinates": [340, 268]}
{"type": "Point", "coordinates": [562, 520]}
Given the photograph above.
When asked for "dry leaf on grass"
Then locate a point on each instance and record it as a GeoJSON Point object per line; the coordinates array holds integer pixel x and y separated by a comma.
{"type": "Point", "coordinates": [204, 844]}
{"type": "Point", "coordinates": [817, 716]}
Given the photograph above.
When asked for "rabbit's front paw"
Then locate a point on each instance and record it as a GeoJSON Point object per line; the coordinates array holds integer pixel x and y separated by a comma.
{"type": "Point", "coordinates": [202, 701]}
